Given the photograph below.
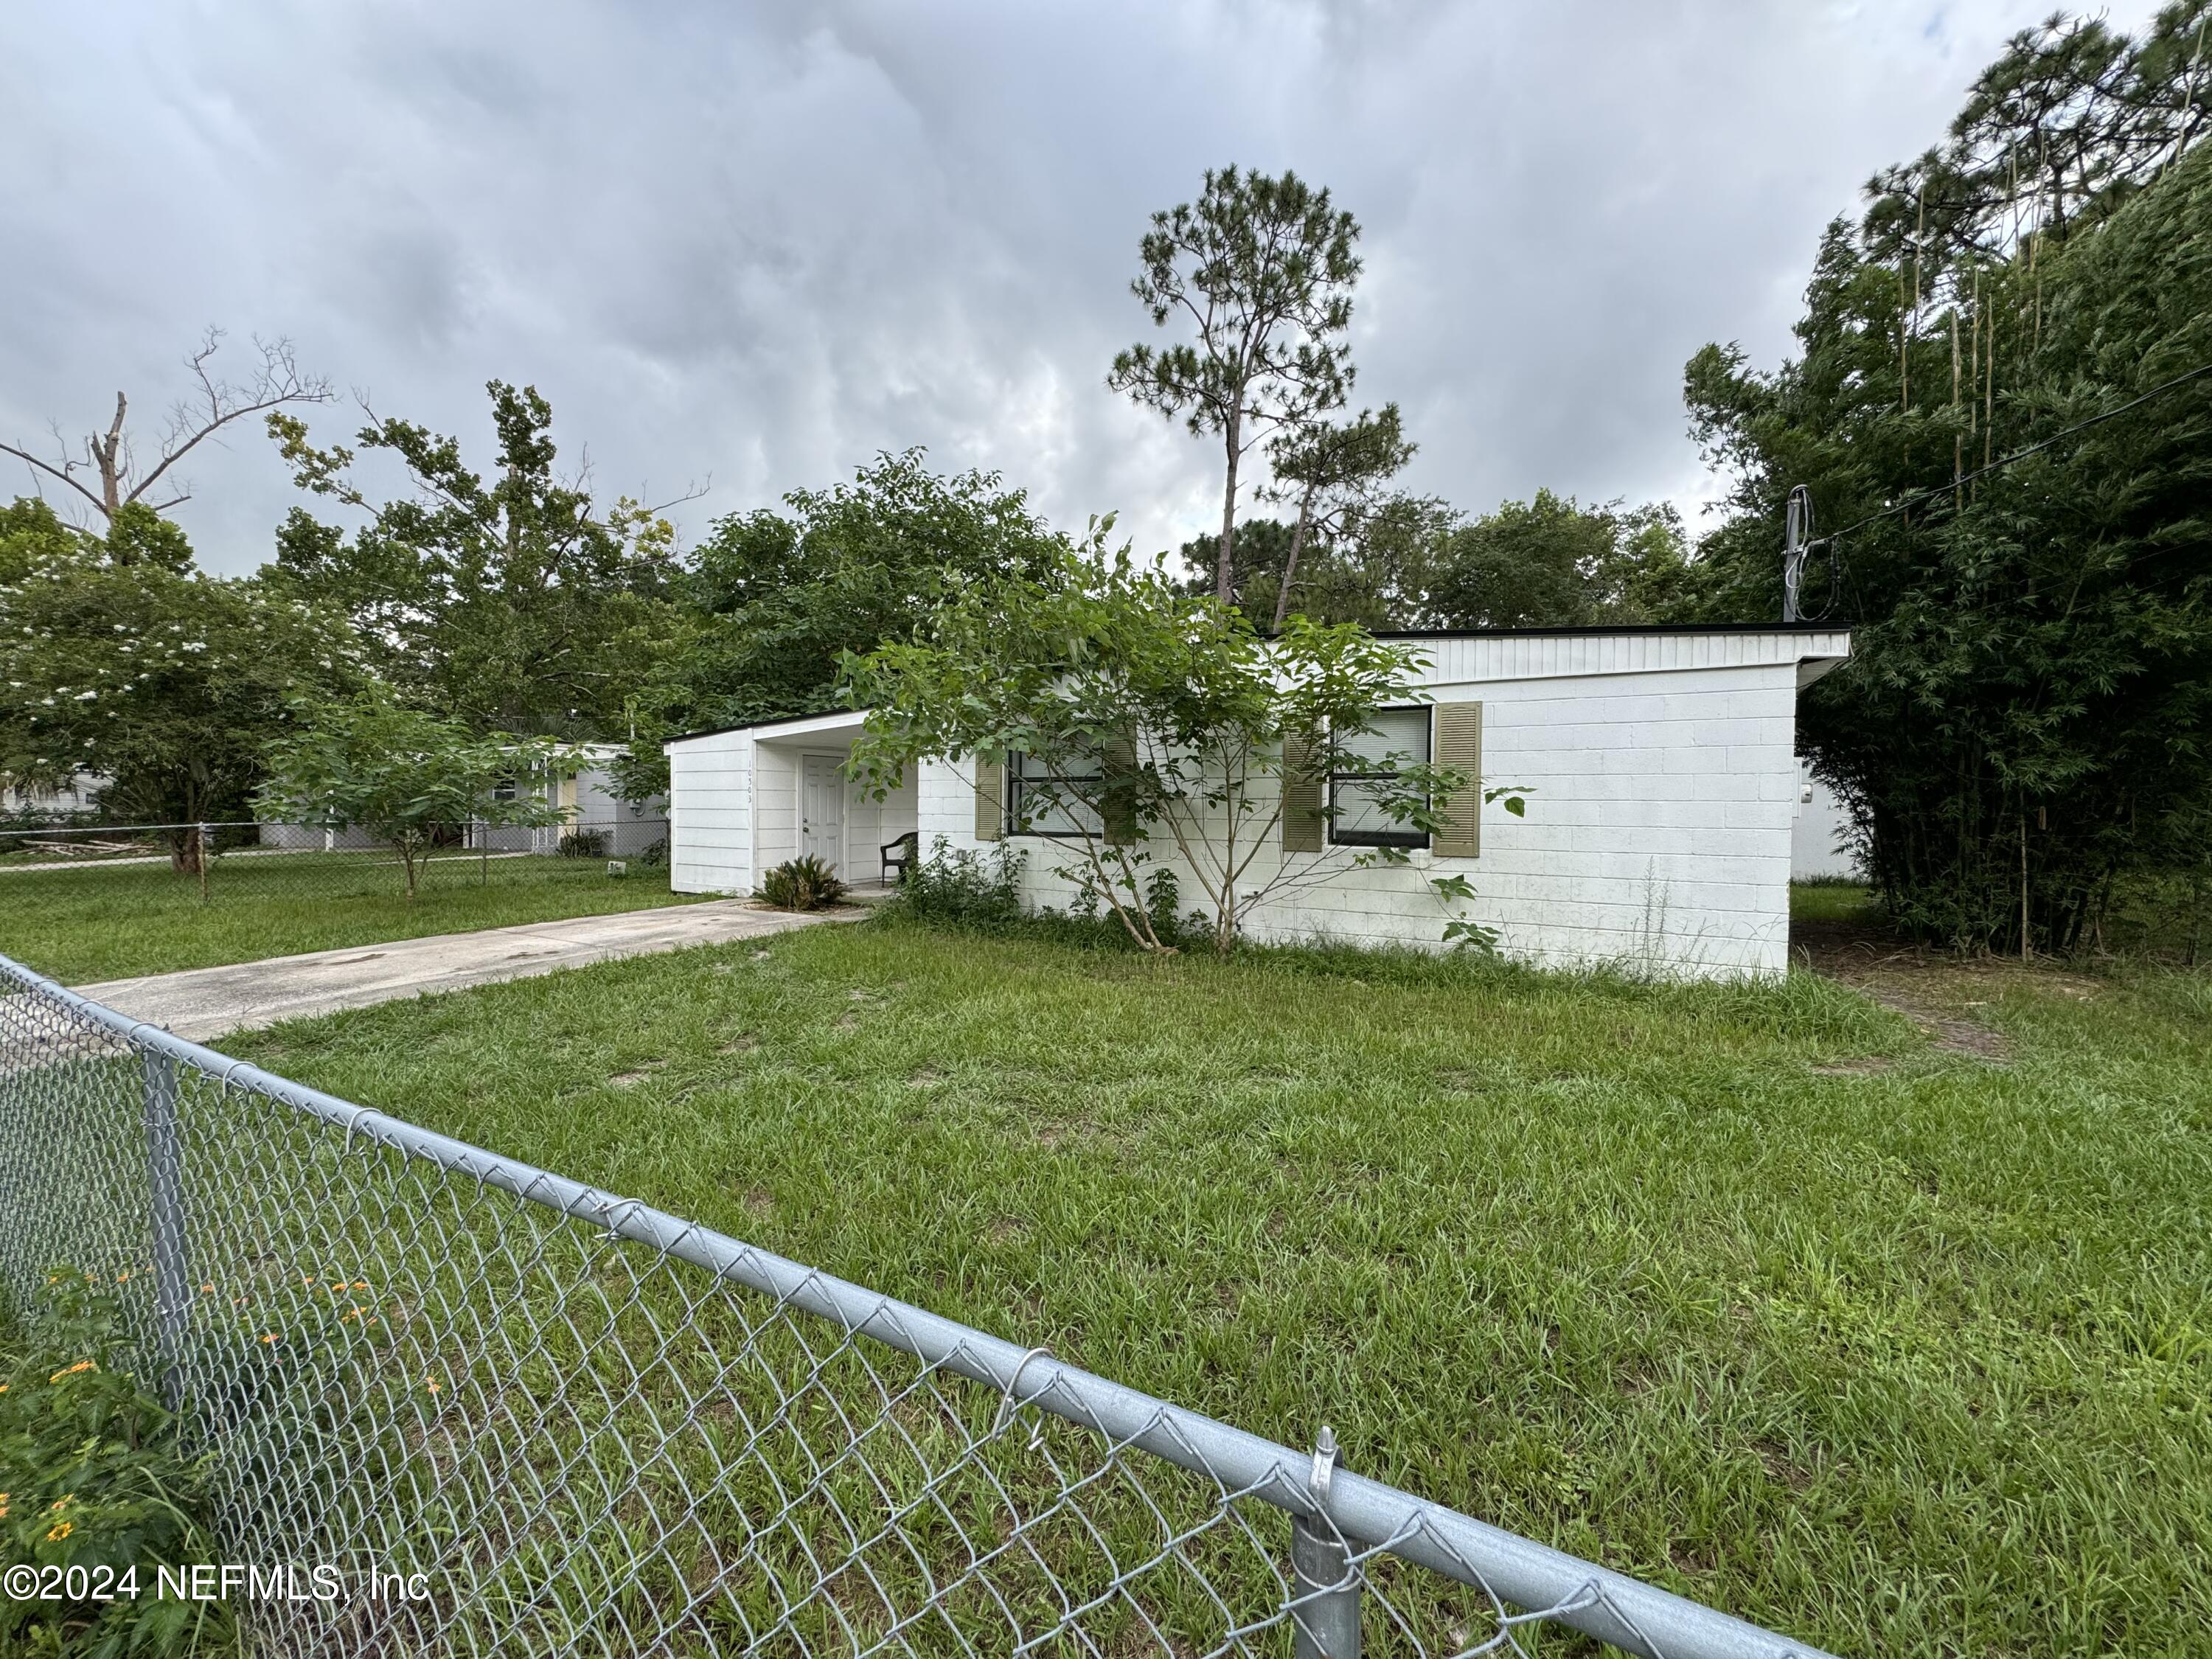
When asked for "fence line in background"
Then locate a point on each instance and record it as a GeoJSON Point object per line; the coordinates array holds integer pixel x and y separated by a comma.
{"type": "Point", "coordinates": [265, 858]}
{"type": "Point", "coordinates": [604, 1429]}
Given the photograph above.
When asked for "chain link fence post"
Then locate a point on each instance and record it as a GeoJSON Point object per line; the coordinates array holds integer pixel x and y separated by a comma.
{"type": "Point", "coordinates": [1326, 1621]}
{"type": "Point", "coordinates": [166, 1185]}
{"type": "Point", "coordinates": [204, 852]}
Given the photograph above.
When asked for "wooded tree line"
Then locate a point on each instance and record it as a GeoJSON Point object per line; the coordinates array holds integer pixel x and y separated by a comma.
{"type": "Point", "coordinates": [2024, 726]}
{"type": "Point", "coordinates": [510, 599]}
{"type": "Point", "coordinates": [2026, 722]}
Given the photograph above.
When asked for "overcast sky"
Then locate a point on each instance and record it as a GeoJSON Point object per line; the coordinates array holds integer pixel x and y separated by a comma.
{"type": "Point", "coordinates": [760, 243]}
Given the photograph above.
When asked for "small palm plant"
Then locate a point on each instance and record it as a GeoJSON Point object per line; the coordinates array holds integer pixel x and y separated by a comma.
{"type": "Point", "coordinates": [805, 884]}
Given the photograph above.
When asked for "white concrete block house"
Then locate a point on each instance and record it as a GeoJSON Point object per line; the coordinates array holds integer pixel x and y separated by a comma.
{"type": "Point", "coordinates": [1661, 764]}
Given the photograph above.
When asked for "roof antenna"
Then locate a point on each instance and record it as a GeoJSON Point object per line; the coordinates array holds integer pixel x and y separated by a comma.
{"type": "Point", "coordinates": [1796, 543]}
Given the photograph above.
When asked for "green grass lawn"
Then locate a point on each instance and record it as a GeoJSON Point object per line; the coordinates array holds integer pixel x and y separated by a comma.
{"type": "Point", "coordinates": [1750, 1290]}
{"type": "Point", "coordinates": [83, 924]}
{"type": "Point", "coordinates": [1830, 900]}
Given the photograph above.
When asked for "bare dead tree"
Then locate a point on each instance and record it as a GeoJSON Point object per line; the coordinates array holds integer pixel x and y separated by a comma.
{"type": "Point", "coordinates": [110, 457]}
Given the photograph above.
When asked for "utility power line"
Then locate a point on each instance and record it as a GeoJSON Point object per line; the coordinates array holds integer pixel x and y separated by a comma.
{"type": "Point", "coordinates": [1933, 491]}
{"type": "Point", "coordinates": [1799, 544]}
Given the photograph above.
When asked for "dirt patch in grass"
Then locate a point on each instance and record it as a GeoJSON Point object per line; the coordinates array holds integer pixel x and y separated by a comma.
{"type": "Point", "coordinates": [1461, 1080]}
{"type": "Point", "coordinates": [1864, 1065]}
{"type": "Point", "coordinates": [1938, 990]}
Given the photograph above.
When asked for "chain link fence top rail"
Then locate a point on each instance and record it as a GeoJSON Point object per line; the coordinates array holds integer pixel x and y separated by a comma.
{"type": "Point", "coordinates": [595, 1428]}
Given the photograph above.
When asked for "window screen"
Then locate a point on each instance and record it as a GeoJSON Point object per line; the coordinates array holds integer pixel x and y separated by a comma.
{"type": "Point", "coordinates": [1356, 771]}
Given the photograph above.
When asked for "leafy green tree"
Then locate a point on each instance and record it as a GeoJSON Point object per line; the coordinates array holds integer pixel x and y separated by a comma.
{"type": "Point", "coordinates": [775, 597]}
{"type": "Point", "coordinates": [1393, 546]}
{"type": "Point", "coordinates": [2033, 645]}
{"type": "Point", "coordinates": [119, 657]}
{"type": "Point", "coordinates": [1260, 551]}
{"type": "Point", "coordinates": [520, 603]}
{"type": "Point", "coordinates": [2055, 137]}
{"type": "Point", "coordinates": [407, 777]}
{"type": "Point", "coordinates": [1403, 562]}
{"type": "Point", "coordinates": [1335, 581]}
{"type": "Point", "coordinates": [1554, 563]}
{"type": "Point", "coordinates": [1260, 270]}
{"type": "Point", "coordinates": [1334, 470]}
{"type": "Point", "coordinates": [1160, 736]}
{"type": "Point", "coordinates": [32, 534]}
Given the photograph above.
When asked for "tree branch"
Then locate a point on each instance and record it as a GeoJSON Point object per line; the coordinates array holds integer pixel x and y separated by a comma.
{"type": "Point", "coordinates": [63, 472]}
{"type": "Point", "coordinates": [277, 382]}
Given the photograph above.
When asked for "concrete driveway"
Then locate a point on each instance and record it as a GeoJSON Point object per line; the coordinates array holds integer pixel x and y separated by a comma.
{"type": "Point", "coordinates": [204, 1002]}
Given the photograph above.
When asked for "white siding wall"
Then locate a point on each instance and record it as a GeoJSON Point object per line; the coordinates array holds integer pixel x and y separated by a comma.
{"type": "Point", "coordinates": [1657, 834]}
{"type": "Point", "coordinates": [775, 807]}
{"type": "Point", "coordinates": [733, 810]}
{"type": "Point", "coordinates": [870, 824]}
{"type": "Point", "coordinates": [1664, 791]}
{"type": "Point", "coordinates": [628, 829]}
{"type": "Point", "coordinates": [710, 814]}
{"type": "Point", "coordinates": [75, 796]}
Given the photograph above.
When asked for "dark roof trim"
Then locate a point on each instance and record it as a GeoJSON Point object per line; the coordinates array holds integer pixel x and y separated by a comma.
{"type": "Point", "coordinates": [760, 726]}
{"type": "Point", "coordinates": [1617, 628]}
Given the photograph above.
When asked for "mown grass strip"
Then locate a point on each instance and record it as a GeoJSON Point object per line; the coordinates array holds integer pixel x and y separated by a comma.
{"type": "Point", "coordinates": [1901, 1358]}
{"type": "Point", "coordinates": [89, 924]}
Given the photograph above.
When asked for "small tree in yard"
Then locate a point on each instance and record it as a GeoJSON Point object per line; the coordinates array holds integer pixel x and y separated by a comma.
{"type": "Point", "coordinates": [406, 776]}
{"type": "Point", "coordinates": [1134, 724]}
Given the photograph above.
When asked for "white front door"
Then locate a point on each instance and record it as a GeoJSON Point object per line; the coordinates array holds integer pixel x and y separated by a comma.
{"type": "Point", "coordinates": [822, 808]}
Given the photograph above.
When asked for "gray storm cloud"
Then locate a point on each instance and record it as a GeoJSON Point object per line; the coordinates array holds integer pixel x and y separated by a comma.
{"type": "Point", "coordinates": [761, 243]}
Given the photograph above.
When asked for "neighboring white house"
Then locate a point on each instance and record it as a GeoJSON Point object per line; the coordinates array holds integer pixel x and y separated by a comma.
{"type": "Point", "coordinates": [1820, 841]}
{"type": "Point", "coordinates": [1661, 764]}
{"type": "Point", "coordinates": [624, 828]}
{"type": "Point", "coordinates": [78, 797]}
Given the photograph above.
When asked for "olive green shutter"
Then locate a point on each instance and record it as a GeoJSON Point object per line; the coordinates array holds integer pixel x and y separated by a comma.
{"type": "Point", "coordinates": [990, 799]}
{"type": "Point", "coordinates": [1302, 823]}
{"type": "Point", "coordinates": [1118, 799]}
{"type": "Point", "coordinates": [1456, 742]}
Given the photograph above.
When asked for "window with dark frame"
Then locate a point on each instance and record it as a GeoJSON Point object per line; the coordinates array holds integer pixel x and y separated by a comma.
{"type": "Point", "coordinates": [1038, 802]}
{"type": "Point", "coordinates": [1358, 772]}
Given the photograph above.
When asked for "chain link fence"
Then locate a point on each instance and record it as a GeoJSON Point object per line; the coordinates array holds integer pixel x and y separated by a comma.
{"type": "Point", "coordinates": [592, 1428]}
{"type": "Point", "coordinates": [226, 860]}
